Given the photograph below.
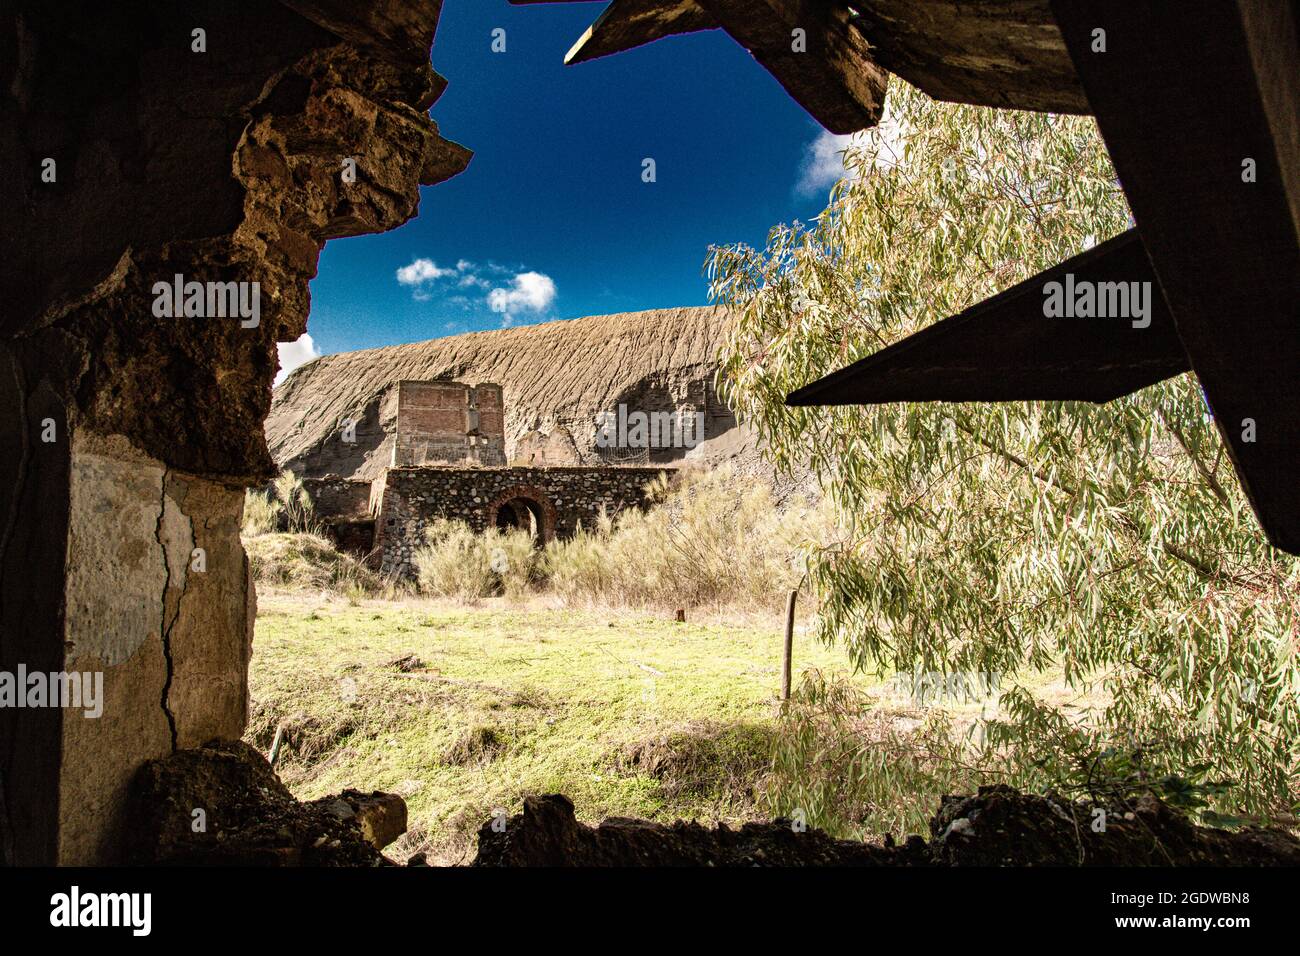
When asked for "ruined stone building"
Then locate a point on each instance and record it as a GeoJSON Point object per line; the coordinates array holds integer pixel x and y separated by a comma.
{"type": "Point", "coordinates": [559, 380]}
{"type": "Point", "coordinates": [449, 461]}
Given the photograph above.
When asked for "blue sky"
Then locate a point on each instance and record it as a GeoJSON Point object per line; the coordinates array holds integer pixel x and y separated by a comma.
{"type": "Point", "coordinates": [552, 219]}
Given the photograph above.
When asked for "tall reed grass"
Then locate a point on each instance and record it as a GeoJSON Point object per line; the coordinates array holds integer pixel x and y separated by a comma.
{"type": "Point", "coordinates": [702, 542]}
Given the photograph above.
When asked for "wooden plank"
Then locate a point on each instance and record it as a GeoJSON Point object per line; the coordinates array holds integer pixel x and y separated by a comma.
{"type": "Point", "coordinates": [1003, 53]}
{"type": "Point", "coordinates": [1184, 94]}
{"type": "Point", "coordinates": [831, 73]}
{"type": "Point", "coordinates": [1005, 349]}
{"type": "Point", "coordinates": [626, 24]}
{"type": "Point", "coordinates": [632, 23]}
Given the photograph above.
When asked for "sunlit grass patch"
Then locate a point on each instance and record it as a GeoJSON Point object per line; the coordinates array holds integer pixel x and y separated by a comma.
{"type": "Point", "coordinates": [464, 710]}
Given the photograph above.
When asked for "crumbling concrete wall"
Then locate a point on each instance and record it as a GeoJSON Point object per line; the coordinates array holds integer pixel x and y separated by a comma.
{"type": "Point", "coordinates": [563, 497]}
{"type": "Point", "coordinates": [222, 141]}
{"type": "Point", "coordinates": [538, 449]}
{"type": "Point", "coordinates": [158, 600]}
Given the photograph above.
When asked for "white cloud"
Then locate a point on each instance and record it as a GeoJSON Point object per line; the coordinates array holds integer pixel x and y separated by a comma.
{"type": "Point", "coordinates": [509, 291]}
{"type": "Point", "coordinates": [421, 271]}
{"type": "Point", "coordinates": [294, 354]}
{"type": "Point", "coordinates": [823, 162]}
{"type": "Point", "coordinates": [528, 292]}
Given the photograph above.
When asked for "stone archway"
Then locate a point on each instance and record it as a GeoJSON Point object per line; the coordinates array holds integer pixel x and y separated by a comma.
{"type": "Point", "coordinates": [526, 507]}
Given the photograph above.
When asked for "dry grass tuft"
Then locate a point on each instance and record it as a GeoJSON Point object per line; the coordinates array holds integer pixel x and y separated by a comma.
{"type": "Point", "coordinates": [702, 545]}
{"type": "Point", "coordinates": [308, 561]}
{"type": "Point", "coordinates": [477, 746]}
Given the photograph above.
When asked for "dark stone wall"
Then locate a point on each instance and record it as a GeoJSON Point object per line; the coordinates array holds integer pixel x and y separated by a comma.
{"type": "Point", "coordinates": [355, 536]}
{"type": "Point", "coordinates": [335, 497]}
{"type": "Point", "coordinates": [565, 498]}
{"type": "Point", "coordinates": [34, 498]}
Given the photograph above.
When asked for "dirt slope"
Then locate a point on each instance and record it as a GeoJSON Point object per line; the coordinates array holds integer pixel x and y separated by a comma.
{"type": "Point", "coordinates": [557, 373]}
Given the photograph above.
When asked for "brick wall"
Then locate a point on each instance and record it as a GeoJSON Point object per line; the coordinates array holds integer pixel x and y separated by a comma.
{"type": "Point", "coordinates": [449, 423]}
{"type": "Point", "coordinates": [564, 497]}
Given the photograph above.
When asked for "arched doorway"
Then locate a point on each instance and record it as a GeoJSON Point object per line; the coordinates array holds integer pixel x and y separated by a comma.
{"type": "Point", "coordinates": [522, 514]}
{"type": "Point", "coordinates": [525, 508]}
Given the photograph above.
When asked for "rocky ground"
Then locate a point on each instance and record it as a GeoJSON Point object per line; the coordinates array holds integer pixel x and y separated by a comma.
{"type": "Point", "coordinates": [998, 826]}
{"type": "Point", "coordinates": [222, 804]}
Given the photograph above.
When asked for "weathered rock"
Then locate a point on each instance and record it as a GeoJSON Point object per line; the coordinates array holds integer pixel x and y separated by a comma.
{"type": "Point", "coordinates": [126, 434]}
{"type": "Point", "coordinates": [548, 834]}
{"type": "Point", "coordinates": [998, 826]}
{"type": "Point", "coordinates": [380, 816]}
{"type": "Point", "coordinates": [222, 804]}
{"type": "Point", "coordinates": [1004, 827]}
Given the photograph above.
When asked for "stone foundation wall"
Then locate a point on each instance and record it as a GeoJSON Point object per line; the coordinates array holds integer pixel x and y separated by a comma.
{"type": "Point", "coordinates": [564, 498]}
{"type": "Point", "coordinates": [334, 497]}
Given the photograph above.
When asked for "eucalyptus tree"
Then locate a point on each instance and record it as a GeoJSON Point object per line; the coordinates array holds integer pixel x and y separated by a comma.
{"type": "Point", "coordinates": [1109, 542]}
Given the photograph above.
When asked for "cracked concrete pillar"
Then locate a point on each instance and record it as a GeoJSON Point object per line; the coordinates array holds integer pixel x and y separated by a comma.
{"type": "Point", "coordinates": [127, 433]}
{"type": "Point", "coordinates": [157, 598]}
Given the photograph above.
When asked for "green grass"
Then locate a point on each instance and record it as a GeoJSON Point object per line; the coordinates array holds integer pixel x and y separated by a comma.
{"type": "Point", "coordinates": [627, 713]}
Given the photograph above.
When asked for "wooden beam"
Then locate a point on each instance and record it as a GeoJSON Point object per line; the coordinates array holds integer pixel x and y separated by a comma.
{"type": "Point", "coordinates": [631, 23]}
{"type": "Point", "coordinates": [1005, 349]}
{"type": "Point", "coordinates": [1199, 104]}
{"type": "Point", "coordinates": [827, 68]}
{"type": "Point", "coordinates": [626, 24]}
{"type": "Point", "coordinates": [1002, 53]}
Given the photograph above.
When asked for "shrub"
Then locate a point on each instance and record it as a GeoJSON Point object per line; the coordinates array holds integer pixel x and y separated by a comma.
{"type": "Point", "coordinates": [1112, 540]}
{"type": "Point", "coordinates": [456, 562]}
{"type": "Point", "coordinates": [296, 511]}
{"type": "Point", "coordinates": [285, 507]}
{"type": "Point", "coordinates": [261, 513]}
{"type": "Point", "coordinates": [701, 544]}
{"type": "Point", "coordinates": [308, 561]}
{"type": "Point", "coordinates": [854, 770]}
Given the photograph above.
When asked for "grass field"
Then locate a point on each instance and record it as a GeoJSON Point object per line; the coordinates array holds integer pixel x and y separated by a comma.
{"type": "Point", "coordinates": [463, 710]}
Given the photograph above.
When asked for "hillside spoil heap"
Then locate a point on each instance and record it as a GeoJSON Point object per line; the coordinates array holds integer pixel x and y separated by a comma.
{"type": "Point", "coordinates": [554, 375]}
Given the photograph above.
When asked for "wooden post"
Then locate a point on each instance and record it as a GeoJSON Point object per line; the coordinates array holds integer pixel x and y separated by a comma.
{"type": "Point", "coordinates": [789, 644]}
{"type": "Point", "coordinates": [275, 744]}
